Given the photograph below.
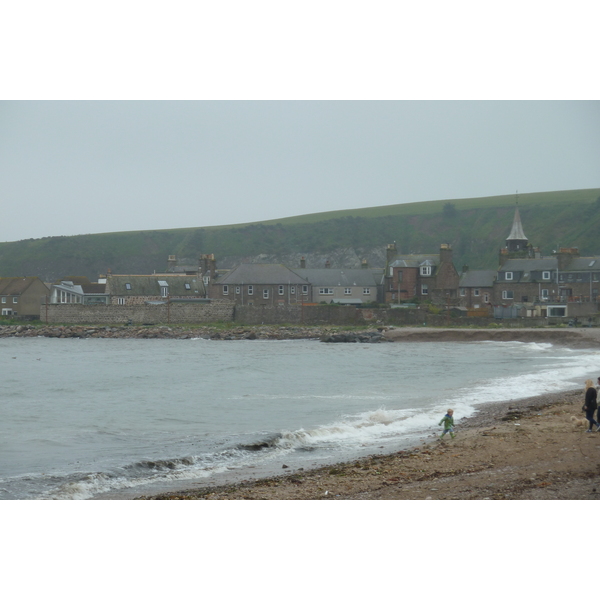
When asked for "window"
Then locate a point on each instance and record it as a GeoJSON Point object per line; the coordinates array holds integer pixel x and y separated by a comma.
{"type": "Point", "coordinates": [507, 295]}
{"type": "Point", "coordinates": [250, 290]}
{"type": "Point", "coordinates": [546, 275]}
{"type": "Point", "coordinates": [121, 301]}
{"type": "Point", "coordinates": [326, 291]}
{"type": "Point", "coordinates": [265, 293]}
{"type": "Point", "coordinates": [3, 300]}
{"type": "Point", "coordinates": [293, 290]}
{"type": "Point", "coordinates": [545, 294]}
{"type": "Point", "coordinates": [424, 290]}
{"type": "Point", "coordinates": [187, 286]}
{"type": "Point", "coordinates": [508, 276]}
{"type": "Point", "coordinates": [425, 271]}
{"type": "Point", "coordinates": [486, 297]}
{"type": "Point", "coordinates": [347, 291]}
{"type": "Point", "coordinates": [15, 299]}
{"type": "Point", "coordinates": [225, 290]}
{"type": "Point", "coordinates": [206, 280]}
{"type": "Point", "coordinates": [463, 292]}
{"type": "Point", "coordinates": [366, 291]}
{"type": "Point", "coordinates": [164, 291]}
{"type": "Point", "coordinates": [237, 289]}
{"type": "Point", "coordinates": [281, 290]}
{"type": "Point", "coordinates": [475, 292]}
{"type": "Point", "coordinates": [305, 289]}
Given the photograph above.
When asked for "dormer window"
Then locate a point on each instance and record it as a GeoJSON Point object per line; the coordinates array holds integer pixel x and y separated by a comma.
{"type": "Point", "coordinates": [426, 271]}
{"type": "Point", "coordinates": [546, 275]}
{"type": "Point", "coordinates": [508, 276]}
{"type": "Point", "coordinates": [164, 288]}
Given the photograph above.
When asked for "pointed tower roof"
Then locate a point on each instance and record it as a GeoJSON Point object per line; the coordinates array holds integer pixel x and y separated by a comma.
{"type": "Point", "coordinates": [516, 233]}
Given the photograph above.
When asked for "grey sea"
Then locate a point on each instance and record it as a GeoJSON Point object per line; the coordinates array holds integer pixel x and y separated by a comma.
{"type": "Point", "coordinates": [104, 419]}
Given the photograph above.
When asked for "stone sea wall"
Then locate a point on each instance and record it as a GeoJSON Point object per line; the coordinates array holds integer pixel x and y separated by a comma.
{"type": "Point", "coordinates": [225, 311]}
{"type": "Point", "coordinates": [174, 312]}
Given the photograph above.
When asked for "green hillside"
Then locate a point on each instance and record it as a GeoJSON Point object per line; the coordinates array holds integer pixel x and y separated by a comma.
{"type": "Point", "coordinates": [476, 228]}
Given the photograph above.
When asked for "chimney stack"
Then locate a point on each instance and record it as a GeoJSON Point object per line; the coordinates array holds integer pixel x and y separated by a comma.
{"type": "Point", "coordinates": [303, 263]}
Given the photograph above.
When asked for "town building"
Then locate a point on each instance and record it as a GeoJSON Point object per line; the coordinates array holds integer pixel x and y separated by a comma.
{"type": "Point", "coordinates": [156, 288]}
{"type": "Point", "coordinates": [78, 290]}
{"type": "Point", "coordinates": [22, 296]}
{"type": "Point", "coordinates": [421, 277]}
{"type": "Point", "coordinates": [344, 286]}
{"type": "Point", "coordinates": [475, 290]}
{"type": "Point", "coordinates": [529, 284]}
{"type": "Point", "coordinates": [258, 284]}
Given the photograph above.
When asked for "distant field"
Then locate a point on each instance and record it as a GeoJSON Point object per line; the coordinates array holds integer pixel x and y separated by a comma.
{"type": "Point", "coordinates": [475, 227]}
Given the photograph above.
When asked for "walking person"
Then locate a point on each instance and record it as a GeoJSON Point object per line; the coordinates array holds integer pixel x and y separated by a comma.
{"type": "Point", "coordinates": [448, 421]}
{"type": "Point", "coordinates": [591, 404]}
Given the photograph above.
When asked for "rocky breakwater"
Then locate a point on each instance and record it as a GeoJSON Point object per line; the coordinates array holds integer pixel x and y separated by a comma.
{"type": "Point", "coordinates": [166, 332]}
{"type": "Point", "coordinates": [364, 337]}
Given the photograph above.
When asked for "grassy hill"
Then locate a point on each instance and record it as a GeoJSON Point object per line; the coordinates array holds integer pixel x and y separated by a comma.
{"type": "Point", "coordinates": [476, 227]}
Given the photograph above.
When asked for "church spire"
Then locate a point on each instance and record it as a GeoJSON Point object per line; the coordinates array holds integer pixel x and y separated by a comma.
{"type": "Point", "coordinates": [517, 240]}
{"type": "Point", "coordinates": [517, 233]}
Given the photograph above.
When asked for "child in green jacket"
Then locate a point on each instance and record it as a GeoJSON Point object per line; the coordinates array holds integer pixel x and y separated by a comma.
{"type": "Point", "coordinates": [448, 422]}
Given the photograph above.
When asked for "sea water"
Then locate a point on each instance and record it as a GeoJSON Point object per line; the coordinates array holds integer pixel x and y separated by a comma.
{"type": "Point", "coordinates": [102, 418]}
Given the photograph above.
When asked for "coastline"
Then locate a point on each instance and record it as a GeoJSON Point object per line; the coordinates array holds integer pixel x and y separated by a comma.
{"type": "Point", "coordinates": [529, 449]}
{"type": "Point", "coordinates": [521, 449]}
{"type": "Point", "coordinates": [580, 337]}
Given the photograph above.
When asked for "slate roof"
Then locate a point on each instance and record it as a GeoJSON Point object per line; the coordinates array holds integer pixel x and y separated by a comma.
{"type": "Point", "coordinates": [530, 264]}
{"type": "Point", "coordinates": [477, 279]}
{"type": "Point", "coordinates": [584, 263]}
{"type": "Point", "coordinates": [14, 286]}
{"type": "Point", "coordinates": [416, 260]}
{"type": "Point", "coordinates": [261, 274]}
{"type": "Point", "coordinates": [148, 285]}
{"type": "Point", "coordinates": [340, 277]}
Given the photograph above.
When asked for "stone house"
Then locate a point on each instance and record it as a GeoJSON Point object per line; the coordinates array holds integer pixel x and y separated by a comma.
{"type": "Point", "coordinates": [344, 286]}
{"type": "Point", "coordinates": [475, 289]}
{"type": "Point", "coordinates": [564, 284]}
{"type": "Point", "coordinates": [157, 288]}
{"type": "Point", "coordinates": [421, 277]}
{"type": "Point", "coordinates": [22, 296]}
{"type": "Point", "coordinates": [261, 285]}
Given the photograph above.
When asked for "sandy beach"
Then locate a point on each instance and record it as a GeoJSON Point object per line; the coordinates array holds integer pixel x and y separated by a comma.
{"type": "Point", "coordinates": [536, 448]}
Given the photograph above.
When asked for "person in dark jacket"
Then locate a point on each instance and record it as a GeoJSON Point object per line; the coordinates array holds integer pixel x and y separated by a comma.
{"type": "Point", "coordinates": [591, 404]}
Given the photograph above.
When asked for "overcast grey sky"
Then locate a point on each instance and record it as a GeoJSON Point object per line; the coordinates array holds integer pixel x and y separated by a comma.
{"type": "Point", "coordinates": [69, 167]}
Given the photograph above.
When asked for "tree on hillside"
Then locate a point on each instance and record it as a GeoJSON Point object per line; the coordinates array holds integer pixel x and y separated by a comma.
{"type": "Point", "coordinates": [449, 210]}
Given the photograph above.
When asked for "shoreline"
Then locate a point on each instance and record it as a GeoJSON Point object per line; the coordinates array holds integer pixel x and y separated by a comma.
{"type": "Point", "coordinates": [529, 448]}
{"type": "Point", "coordinates": [521, 449]}
{"type": "Point", "coordinates": [577, 337]}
